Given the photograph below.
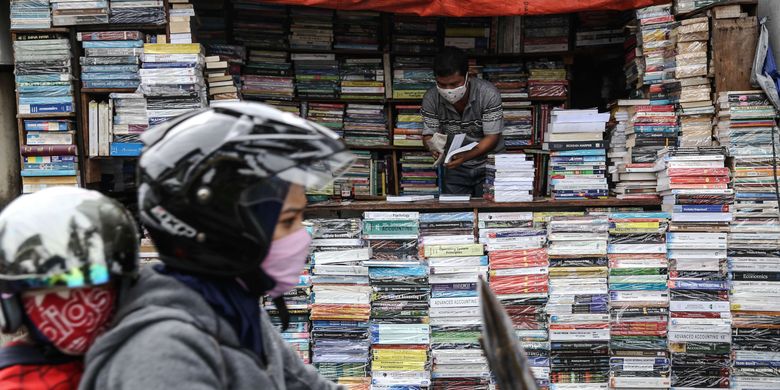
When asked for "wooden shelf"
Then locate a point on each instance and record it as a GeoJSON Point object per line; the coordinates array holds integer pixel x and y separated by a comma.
{"type": "Point", "coordinates": [41, 30]}
{"type": "Point", "coordinates": [47, 115]}
{"type": "Point", "coordinates": [339, 100]}
{"type": "Point", "coordinates": [540, 204]}
{"type": "Point", "coordinates": [107, 90]}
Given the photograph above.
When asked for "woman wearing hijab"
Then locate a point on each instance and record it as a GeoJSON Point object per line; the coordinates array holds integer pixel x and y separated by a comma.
{"type": "Point", "coordinates": [222, 195]}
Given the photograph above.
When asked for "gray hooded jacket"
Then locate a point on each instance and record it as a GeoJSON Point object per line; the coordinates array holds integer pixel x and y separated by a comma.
{"type": "Point", "coordinates": [168, 337]}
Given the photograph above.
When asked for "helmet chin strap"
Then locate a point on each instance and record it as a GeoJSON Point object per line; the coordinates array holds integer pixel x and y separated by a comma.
{"type": "Point", "coordinates": [284, 314]}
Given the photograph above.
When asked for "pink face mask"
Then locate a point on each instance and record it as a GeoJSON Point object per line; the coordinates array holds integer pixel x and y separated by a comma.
{"type": "Point", "coordinates": [285, 260]}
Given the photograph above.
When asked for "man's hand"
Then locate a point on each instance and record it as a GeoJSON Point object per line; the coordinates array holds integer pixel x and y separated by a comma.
{"type": "Point", "coordinates": [435, 155]}
{"type": "Point", "coordinates": [456, 161]}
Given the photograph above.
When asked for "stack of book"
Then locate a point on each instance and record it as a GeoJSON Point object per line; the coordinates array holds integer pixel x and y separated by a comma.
{"type": "Point", "coordinates": [519, 278]}
{"type": "Point", "coordinates": [341, 306]}
{"type": "Point", "coordinates": [311, 28]}
{"type": "Point", "coordinates": [135, 12]}
{"type": "Point", "coordinates": [49, 154]}
{"type": "Point", "coordinates": [630, 179]}
{"type": "Point", "coordinates": [357, 30]}
{"type": "Point", "coordinates": [267, 75]}
{"type": "Point", "coordinates": [71, 13]}
{"type": "Point", "coordinates": [651, 128]}
{"type": "Point", "coordinates": [99, 128]}
{"type": "Point", "coordinates": [213, 28]}
{"type": "Point", "coordinates": [510, 79]}
{"type": "Point", "coordinates": [260, 25]}
{"type": "Point", "coordinates": [30, 14]}
{"type": "Point", "coordinates": [42, 65]}
{"type": "Point", "coordinates": [418, 176]}
{"type": "Point", "coordinates": [172, 80]}
{"type": "Point", "coordinates": [578, 305]}
{"type": "Point", "coordinates": [366, 177]}
{"type": "Point", "coordinates": [518, 123]}
{"type": "Point", "coordinates": [365, 125]}
{"type": "Point", "coordinates": [180, 21]}
{"type": "Point", "coordinates": [400, 332]}
{"type": "Point", "coordinates": [543, 34]}
{"type": "Point", "coordinates": [330, 115]}
{"type": "Point", "coordinates": [600, 28]}
{"type": "Point", "coordinates": [745, 123]}
{"type": "Point", "coordinates": [694, 182]}
{"type": "Point", "coordinates": [509, 178]}
{"type": "Point", "coordinates": [685, 6]}
{"type": "Point", "coordinates": [639, 300]}
{"type": "Point", "coordinates": [547, 79]}
{"type": "Point", "coordinates": [316, 75]}
{"type": "Point", "coordinates": [408, 126]}
{"type": "Point", "coordinates": [657, 44]}
{"type": "Point", "coordinates": [412, 77]}
{"type": "Point", "coordinates": [128, 123]}
{"type": "Point", "coordinates": [221, 86]}
{"type": "Point", "coordinates": [634, 64]}
{"type": "Point", "coordinates": [507, 35]}
{"type": "Point", "coordinates": [577, 155]}
{"type": "Point", "coordinates": [455, 319]}
{"type": "Point", "coordinates": [414, 35]}
{"type": "Point", "coordinates": [111, 59]}
{"type": "Point", "coordinates": [697, 111]}
{"type": "Point", "coordinates": [291, 107]}
{"type": "Point", "coordinates": [297, 300]}
{"type": "Point", "coordinates": [362, 78]}
{"type": "Point", "coordinates": [470, 34]}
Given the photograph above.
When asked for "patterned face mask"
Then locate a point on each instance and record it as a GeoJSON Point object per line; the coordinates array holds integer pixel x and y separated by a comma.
{"type": "Point", "coordinates": [71, 319]}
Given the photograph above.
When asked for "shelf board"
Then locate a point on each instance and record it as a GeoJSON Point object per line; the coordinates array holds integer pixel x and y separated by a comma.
{"type": "Point", "coordinates": [378, 52]}
{"type": "Point", "coordinates": [339, 100]}
{"type": "Point", "coordinates": [114, 157]}
{"type": "Point", "coordinates": [41, 30]}
{"type": "Point", "coordinates": [47, 115]}
{"type": "Point", "coordinates": [108, 90]}
{"type": "Point", "coordinates": [539, 204]}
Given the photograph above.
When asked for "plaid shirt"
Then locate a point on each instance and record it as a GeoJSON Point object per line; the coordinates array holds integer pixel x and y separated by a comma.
{"type": "Point", "coordinates": [483, 115]}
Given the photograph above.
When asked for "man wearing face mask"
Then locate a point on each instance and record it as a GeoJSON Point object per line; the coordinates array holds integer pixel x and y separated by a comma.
{"type": "Point", "coordinates": [222, 195]}
{"type": "Point", "coordinates": [463, 104]}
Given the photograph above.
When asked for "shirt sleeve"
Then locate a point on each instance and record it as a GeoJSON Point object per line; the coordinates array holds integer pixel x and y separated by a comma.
{"type": "Point", "coordinates": [429, 112]}
{"type": "Point", "coordinates": [493, 114]}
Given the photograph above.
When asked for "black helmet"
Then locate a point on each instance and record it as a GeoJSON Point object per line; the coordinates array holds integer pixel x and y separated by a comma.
{"type": "Point", "coordinates": [63, 236]}
{"type": "Point", "coordinates": [213, 182]}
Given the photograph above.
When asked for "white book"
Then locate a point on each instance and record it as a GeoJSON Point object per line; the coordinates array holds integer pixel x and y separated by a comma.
{"type": "Point", "coordinates": [93, 129]}
{"type": "Point", "coordinates": [577, 127]}
{"type": "Point", "coordinates": [104, 134]}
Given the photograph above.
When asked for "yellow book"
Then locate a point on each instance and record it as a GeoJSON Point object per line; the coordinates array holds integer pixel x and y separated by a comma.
{"type": "Point", "coordinates": [544, 216]}
{"type": "Point", "coordinates": [403, 354]}
{"type": "Point", "coordinates": [637, 225]}
{"type": "Point", "coordinates": [397, 366]}
{"type": "Point", "coordinates": [408, 94]}
{"type": "Point", "coordinates": [407, 142]}
{"type": "Point", "coordinates": [355, 83]}
{"type": "Point", "coordinates": [172, 48]}
{"type": "Point", "coordinates": [409, 118]}
{"type": "Point", "coordinates": [454, 250]}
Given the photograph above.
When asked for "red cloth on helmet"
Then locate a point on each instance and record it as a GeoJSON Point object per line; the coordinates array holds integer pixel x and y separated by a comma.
{"type": "Point", "coordinates": [64, 376]}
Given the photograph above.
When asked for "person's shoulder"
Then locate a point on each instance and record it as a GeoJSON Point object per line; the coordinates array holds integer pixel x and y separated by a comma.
{"type": "Point", "coordinates": [487, 87]}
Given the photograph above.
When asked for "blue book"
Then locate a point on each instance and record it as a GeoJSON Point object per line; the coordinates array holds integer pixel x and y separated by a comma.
{"type": "Point", "coordinates": [165, 65]}
{"type": "Point", "coordinates": [110, 76]}
{"type": "Point", "coordinates": [43, 90]}
{"type": "Point", "coordinates": [45, 100]}
{"type": "Point", "coordinates": [46, 125]}
{"type": "Point", "coordinates": [640, 215]}
{"type": "Point", "coordinates": [62, 165]}
{"type": "Point", "coordinates": [580, 152]}
{"type": "Point", "coordinates": [112, 84]}
{"type": "Point", "coordinates": [109, 69]}
{"type": "Point", "coordinates": [700, 208]}
{"type": "Point", "coordinates": [45, 108]}
{"type": "Point", "coordinates": [48, 172]}
{"type": "Point", "coordinates": [110, 44]}
{"type": "Point", "coordinates": [37, 78]}
{"type": "Point", "coordinates": [126, 149]}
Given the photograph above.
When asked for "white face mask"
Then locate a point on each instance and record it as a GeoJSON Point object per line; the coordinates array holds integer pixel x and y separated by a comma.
{"type": "Point", "coordinates": [455, 94]}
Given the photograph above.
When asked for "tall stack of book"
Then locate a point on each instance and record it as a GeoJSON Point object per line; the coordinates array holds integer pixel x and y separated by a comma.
{"type": "Point", "coordinates": [311, 28]}
{"type": "Point", "coordinates": [316, 75]}
{"type": "Point", "coordinates": [418, 176]}
{"type": "Point", "coordinates": [694, 184]}
{"type": "Point", "coordinates": [362, 78]}
{"type": "Point", "coordinates": [128, 123]}
{"type": "Point", "coordinates": [519, 278]}
{"type": "Point", "coordinates": [221, 86]}
{"type": "Point", "coordinates": [267, 75]}
{"type": "Point", "coordinates": [639, 300]}
{"type": "Point", "coordinates": [543, 34]}
{"type": "Point", "coordinates": [510, 79]}
{"type": "Point", "coordinates": [412, 77]}
{"type": "Point", "coordinates": [49, 154]}
{"type": "Point", "coordinates": [578, 307]}
{"type": "Point", "coordinates": [357, 30]}
{"type": "Point", "coordinates": [600, 28]}
{"type": "Point", "coordinates": [696, 109]}
{"type": "Point", "coordinates": [212, 17]}
{"type": "Point", "coordinates": [547, 79]}
{"type": "Point", "coordinates": [341, 306]}
{"type": "Point", "coordinates": [172, 80]}
{"type": "Point", "coordinates": [111, 59]}
{"type": "Point", "coordinates": [366, 177]}
{"type": "Point", "coordinates": [507, 35]}
{"type": "Point", "coordinates": [330, 115]}
{"type": "Point", "coordinates": [518, 123]}
{"type": "Point", "coordinates": [455, 318]}
{"type": "Point", "coordinates": [651, 128]}
{"type": "Point", "coordinates": [414, 34]}
{"type": "Point", "coordinates": [399, 328]}
{"type": "Point", "coordinates": [180, 21]}
{"type": "Point", "coordinates": [43, 73]}
{"type": "Point", "coordinates": [260, 25]}
{"type": "Point", "coordinates": [577, 154]}
{"type": "Point", "coordinates": [365, 125]}
{"type": "Point", "coordinates": [469, 34]}
{"type": "Point", "coordinates": [136, 12]}
{"type": "Point", "coordinates": [71, 13]}
{"type": "Point", "coordinates": [655, 36]}
{"type": "Point", "coordinates": [30, 14]}
{"type": "Point", "coordinates": [408, 126]}
{"type": "Point", "coordinates": [509, 178]}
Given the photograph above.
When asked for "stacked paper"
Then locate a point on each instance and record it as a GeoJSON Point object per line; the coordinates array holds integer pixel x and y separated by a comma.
{"type": "Point", "coordinates": [342, 295]}
{"type": "Point", "coordinates": [577, 158]}
{"type": "Point", "coordinates": [30, 14]}
{"type": "Point", "coordinates": [136, 12]}
{"type": "Point", "coordinates": [316, 75]}
{"type": "Point", "coordinates": [172, 80]}
{"type": "Point", "coordinates": [111, 59]}
{"type": "Point", "coordinates": [697, 197]}
{"type": "Point", "coordinates": [365, 125]}
{"type": "Point", "coordinates": [695, 101]}
{"type": "Point", "coordinates": [578, 304]}
{"type": "Point", "coordinates": [400, 333]}
{"type": "Point", "coordinates": [70, 12]}
{"type": "Point", "coordinates": [519, 278]}
{"type": "Point", "coordinates": [412, 77]}
{"type": "Point", "coordinates": [43, 73]}
{"type": "Point", "coordinates": [639, 300]}
{"type": "Point", "coordinates": [408, 126]}
{"type": "Point", "coordinates": [509, 178]}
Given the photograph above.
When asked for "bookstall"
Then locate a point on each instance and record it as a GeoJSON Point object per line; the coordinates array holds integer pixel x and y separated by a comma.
{"type": "Point", "coordinates": [631, 229]}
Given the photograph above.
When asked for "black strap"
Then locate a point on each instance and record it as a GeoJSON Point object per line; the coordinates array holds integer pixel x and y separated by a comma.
{"type": "Point", "coordinates": [27, 355]}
